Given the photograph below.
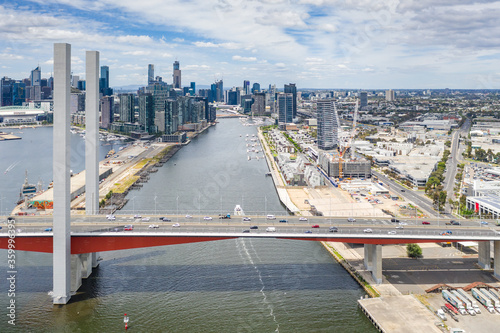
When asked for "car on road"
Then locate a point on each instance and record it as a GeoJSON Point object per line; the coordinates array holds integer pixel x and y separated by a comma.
{"type": "Point", "coordinates": [128, 227]}
{"type": "Point", "coordinates": [425, 222]}
{"type": "Point", "coordinates": [315, 226]}
{"type": "Point", "coordinates": [484, 222]}
{"type": "Point", "coordinates": [271, 217]}
{"type": "Point", "coordinates": [137, 216]}
{"type": "Point", "coordinates": [283, 221]}
{"type": "Point", "coordinates": [392, 232]}
{"type": "Point", "coordinates": [145, 219]}
{"type": "Point", "coordinates": [247, 219]}
{"type": "Point", "coordinates": [47, 229]}
{"type": "Point", "coordinates": [110, 217]}
{"type": "Point", "coordinates": [207, 218]}
{"type": "Point", "coordinates": [302, 218]}
{"type": "Point", "coordinates": [246, 231]}
{"type": "Point", "coordinates": [308, 232]}
{"type": "Point", "coordinates": [165, 219]}
{"type": "Point", "coordinates": [394, 220]}
{"type": "Point", "coordinates": [368, 231]}
{"type": "Point", "coordinates": [399, 227]}
{"type": "Point", "coordinates": [254, 227]}
{"type": "Point", "coordinates": [446, 233]}
{"type": "Point", "coordinates": [176, 225]}
{"type": "Point", "coordinates": [351, 219]}
{"type": "Point", "coordinates": [188, 216]}
{"type": "Point", "coordinates": [455, 222]}
{"type": "Point", "coordinates": [333, 229]}
{"type": "Point", "coordinates": [271, 229]}
{"type": "Point", "coordinates": [153, 226]}
{"type": "Point", "coordinates": [403, 191]}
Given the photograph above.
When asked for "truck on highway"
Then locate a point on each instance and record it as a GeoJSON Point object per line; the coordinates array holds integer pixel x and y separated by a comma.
{"type": "Point", "coordinates": [470, 299]}
{"type": "Point", "coordinates": [494, 301]}
{"type": "Point", "coordinates": [448, 296]}
{"type": "Point", "coordinates": [482, 299]}
{"type": "Point", "coordinates": [465, 302]}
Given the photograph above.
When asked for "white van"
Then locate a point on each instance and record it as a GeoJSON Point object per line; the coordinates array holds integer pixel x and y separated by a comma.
{"type": "Point", "coordinates": [271, 229]}
{"type": "Point", "coordinates": [271, 217]}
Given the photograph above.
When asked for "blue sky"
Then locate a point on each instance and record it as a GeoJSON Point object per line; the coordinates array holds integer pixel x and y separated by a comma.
{"type": "Point", "coordinates": [362, 44]}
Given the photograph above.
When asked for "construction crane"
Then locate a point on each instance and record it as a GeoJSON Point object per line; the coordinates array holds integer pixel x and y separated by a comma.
{"type": "Point", "coordinates": [347, 145]}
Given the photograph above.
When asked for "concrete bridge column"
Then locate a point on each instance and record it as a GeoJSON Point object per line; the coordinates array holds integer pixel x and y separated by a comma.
{"type": "Point", "coordinates": [95, 263]}
{"type": "Point", "coordinates": [61, 259]}
{"type": "Point", "coordinates": [76, 272]}
{"type": "Point", "coordinates": [484, 258]}
{"type": "Point", "coordinates": [369, 248]}
{"type": "Point", "coordinates": [496, 256]}
{"type": "Point", "coordinates": [377, 264]}
{"type": "Point", "coordinates": [86, 259]}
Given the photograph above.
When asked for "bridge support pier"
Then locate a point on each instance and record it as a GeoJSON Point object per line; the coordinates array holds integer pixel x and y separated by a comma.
{"type": "Point", "coordinates": [484, 256]}
{"type": "Point", "coordinates": [81, 268]}
{"type": "Point", "coordinates": [373, 261]}
{"type": "Point", "coordinates": [496, 263]}
{"type": "Point", "coordinates": [368, 256]}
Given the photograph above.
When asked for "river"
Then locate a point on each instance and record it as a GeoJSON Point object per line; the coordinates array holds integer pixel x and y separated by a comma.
{"type": "Point", "coordinates": [239, 285]}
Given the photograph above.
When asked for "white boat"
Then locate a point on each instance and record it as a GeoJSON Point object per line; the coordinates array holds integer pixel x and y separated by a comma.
{"type": "Point", "coordinates": [238, 211]}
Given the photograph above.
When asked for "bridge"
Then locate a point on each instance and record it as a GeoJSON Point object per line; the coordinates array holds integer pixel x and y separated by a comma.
{"type": "Point", "coordinates": [92, 234]}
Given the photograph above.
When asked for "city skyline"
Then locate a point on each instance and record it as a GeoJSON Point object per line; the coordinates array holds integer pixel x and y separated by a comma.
{"type": "Point", "coordinates": [315, 43]}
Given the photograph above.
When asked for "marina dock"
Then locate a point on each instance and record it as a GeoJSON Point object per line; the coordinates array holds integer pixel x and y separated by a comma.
{"type": "Point", "coordinates": [6, 136]}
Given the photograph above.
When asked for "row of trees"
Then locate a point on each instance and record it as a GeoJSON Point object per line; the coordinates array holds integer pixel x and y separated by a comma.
{"type": "Point", "coordinates": [434, 186]}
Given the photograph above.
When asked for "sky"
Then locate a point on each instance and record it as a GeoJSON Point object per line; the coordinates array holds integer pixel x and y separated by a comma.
{"type": "Point", "coordinates": [330, 44]}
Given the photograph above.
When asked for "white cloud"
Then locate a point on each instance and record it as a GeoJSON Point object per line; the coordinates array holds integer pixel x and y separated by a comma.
{"type": "Point", "coordinates": [137, 53]}
{"type": "Point", "coordinates": [240, 58]}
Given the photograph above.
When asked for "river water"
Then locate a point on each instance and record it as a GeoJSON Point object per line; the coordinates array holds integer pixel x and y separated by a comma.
{"type": "Point", "coordinates": [239, 285]}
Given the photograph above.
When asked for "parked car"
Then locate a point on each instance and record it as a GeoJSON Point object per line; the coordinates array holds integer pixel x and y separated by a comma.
{"type": "Point", "coordinates": [207, 218]}
{"type": "Point", "coordinates": [302, 218]}
{"type": "Point", "coordinates": [425, 222]}
{"type": "Point", "coordinates": [176, 225]}
{"type": "Point", "coordinates": [315, 226]}
{"type": "Point", "coordinates": [368, 231]}
{"type": "Point", "coordinates": [334, 229]}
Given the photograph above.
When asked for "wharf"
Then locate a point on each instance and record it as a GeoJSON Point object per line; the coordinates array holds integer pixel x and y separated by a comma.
{"type": "Point", "coordinates": [6, 136]}
{"type": "Point", "coordinates": [398, 314]}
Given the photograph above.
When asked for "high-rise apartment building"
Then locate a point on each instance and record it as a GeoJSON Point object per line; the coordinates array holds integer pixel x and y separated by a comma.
{"type": "Point", "coordinates": [177, 75]}
{"type": "Point", "coordinates": [327, 124]}
{"type": "Point", "coordinates": [259, 103]}
{"type": "Point", "coordinates": [151, 73]}
{"type": "Point", "coordinates": [104, 82]}
{"type": "Point", "coordinates": [127, 110]}
{"type": "Point", "coordinates": [363, 99]}
{"type": "Point", "coordinates": [292, 89]}
{"type": "Point", "coordinates": [107, 114]}
{"type": "Point", "coordinates": [389, 95]}
{"type": "Point", "coordinates": [285, 108]}
{"type": "Point", "coordinates": [147, 112]}
{"type": "Point", "coordinates": [255, 88]}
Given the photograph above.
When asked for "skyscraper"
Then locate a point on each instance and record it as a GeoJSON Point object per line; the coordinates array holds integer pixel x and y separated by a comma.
{"type": "Point", "coordinates": [255, 88]}
{"type": "Point", "coordinates": [389, 95]}
{"type": "Point", "coordinates": [193, 86]}
{"type": "Point", "coordinates": [151, 73]}
{"type": "Point", "coordinates": [363, 99]}
{"type": "Point", "coordinates": [246, 87]}
{"type": "Point", "coordinates": [177, 75]}
{"type": "Point", "coordinates": [292, 89]}
{"type": "Point", "coordinates": [285, 108]}
{"type": "Point", "coordinates": [147, 112]}
{"type": "Point", "coordinates": [104, 82]}
{"type": "Point", "coordinates": [36, 76]}
{"type": "Point", "coordinates": [327, 124]}
{"type": "Point", "coordinates": [127, 111]}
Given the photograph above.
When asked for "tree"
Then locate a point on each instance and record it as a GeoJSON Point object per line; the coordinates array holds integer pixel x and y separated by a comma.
{"type": "Point", "coordinates": [447, 143]}
{"type": "Point", "coordinates": [442, 199]}
{"type": "Point", "coordinates": [413, 250]}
